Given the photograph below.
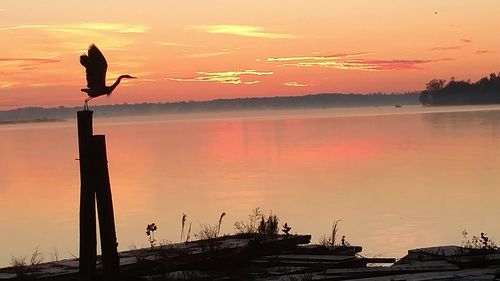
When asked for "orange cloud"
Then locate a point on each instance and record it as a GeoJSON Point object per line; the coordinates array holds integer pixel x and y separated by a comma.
{"type": "Point", "coordinates": [227, 77]}
{"type": "Point", "coordinates": [482, 52]}
{"type": "Point", "coordinates": [6, 84]}
{"type": "Point", "coordinates": [31, 60]}
{"type": "Point", "coordinates": [243, 30]}
{"type": "Point", "coordinates": [380, 65]}
{"type": "Point", "coordinates": [84, 27]}
{"type": "Point", "coordinates": [453, 47]}
{"type": "Point", "coordinates": [447, 48]}
{"type": "Point", "coordinates": [318, 58]}
{"type": "Point", "coordinates": [13, 65]}
{"type": "Point", "coordinates": [295, 84]}
{"type": "Point", "coordinates": [209, 54]}
{"type": "Point", "coordinates": [351, 62]}
{"type": "Point", "coordinates": [173, 44]}
{"type": "Point", "coordinates": [75, 37]}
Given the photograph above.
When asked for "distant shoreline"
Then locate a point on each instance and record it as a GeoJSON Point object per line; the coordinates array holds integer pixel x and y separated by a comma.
{"type": "Point", "coordinates": [37, 120]}
{"type": "Point", "coordinates": [329, 100]}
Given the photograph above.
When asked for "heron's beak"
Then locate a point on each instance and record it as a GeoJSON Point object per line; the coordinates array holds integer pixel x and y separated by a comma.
{"type": "Point", "coordinates": [133, 77]}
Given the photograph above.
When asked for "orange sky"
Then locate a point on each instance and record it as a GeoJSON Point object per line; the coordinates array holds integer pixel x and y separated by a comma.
{"type": "Point", "coordinates": [199, 50]}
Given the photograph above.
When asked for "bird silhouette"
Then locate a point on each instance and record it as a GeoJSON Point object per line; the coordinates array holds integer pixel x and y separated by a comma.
{"type": "Point", "coordinates": [95, 65]}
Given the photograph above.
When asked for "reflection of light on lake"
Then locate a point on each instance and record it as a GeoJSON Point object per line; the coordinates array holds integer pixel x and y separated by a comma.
{"type": "Point", "coordinates": [399, 234]}
{"type": "Point", "coordinates": [397, 179]}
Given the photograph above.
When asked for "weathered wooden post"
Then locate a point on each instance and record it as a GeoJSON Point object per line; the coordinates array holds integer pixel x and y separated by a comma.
{"type": "Point", "coordinates": [95, 185]}
{"type": "Point", "coordinates": [110, 259]}
{"type": "Point", "coordinates": [88, 240]}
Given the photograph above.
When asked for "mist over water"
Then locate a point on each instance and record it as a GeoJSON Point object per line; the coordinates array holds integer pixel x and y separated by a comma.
{"type": "Point", "coordinates": [397, 178]}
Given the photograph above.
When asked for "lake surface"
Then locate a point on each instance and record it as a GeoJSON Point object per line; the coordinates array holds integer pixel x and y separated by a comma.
{"type": "Point", "coordinates": [397, 178]}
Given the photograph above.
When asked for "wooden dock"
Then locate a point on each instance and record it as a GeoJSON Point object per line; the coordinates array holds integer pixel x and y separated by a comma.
{"type": "Point", "coordinates": [279, 257]}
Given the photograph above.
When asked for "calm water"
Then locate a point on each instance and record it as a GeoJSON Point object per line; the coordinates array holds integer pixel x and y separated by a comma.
{"type": "Point", "coordinates": [397, 178]}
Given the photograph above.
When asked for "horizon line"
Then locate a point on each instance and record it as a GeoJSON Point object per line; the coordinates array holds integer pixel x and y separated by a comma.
{"type": "Point", "coordinates": [218, 99]}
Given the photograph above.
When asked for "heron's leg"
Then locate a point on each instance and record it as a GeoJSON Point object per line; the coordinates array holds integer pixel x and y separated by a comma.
{"type": "Point", "coordinates": [86, 105]}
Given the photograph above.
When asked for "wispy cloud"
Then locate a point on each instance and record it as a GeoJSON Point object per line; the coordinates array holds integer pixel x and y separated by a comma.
{"type": "Point", "coordinates": [221, 52]}
{"type": "Point", "coordinates": [225, 77]}
{"type": "Point", "coordinates": [96, 26]}
{"type": "Point", "coordinates": [209, 54]}
{"type": "Point", "coordinates": [174, 44]}
{"type": "Point", "coordinates": [5, 84]}
{"type": "Point", "coordinates": [84, 27]}
{"type": "Point", "coordinates": [482, 52]}
{"type": "Point", "coordinates": [25, 63]}
{"type": "Point", "coordinates": [394, 64]}
{"type": "Point", "coordinates": [243, 30]}
{"type": "Point", "coordinates": [452, 47]}
{"type": "Point", "coordinates": [32, 60]}
{"type": "Point", "coordinates": [17, 27]}
{"type": "Point", "coordinates": [295, 84]}
{"type": "Point", "coordinates": [318, 58]}
{"type": "Point", "coordinates": [351, 62]}
{"type": "Point", "coordinates": [447, 48]}
{"type": "Point", "coordinates": [41, 84]}
{"type": "Point", "coordinates": [75, 37]}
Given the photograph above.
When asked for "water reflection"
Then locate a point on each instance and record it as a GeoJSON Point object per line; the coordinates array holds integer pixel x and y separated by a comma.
{"type": "Point", "coordinates": [396, 181]}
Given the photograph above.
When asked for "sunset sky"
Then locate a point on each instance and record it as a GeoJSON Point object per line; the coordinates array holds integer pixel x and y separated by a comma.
{"type": "Point", "coordinates": [200, 50]}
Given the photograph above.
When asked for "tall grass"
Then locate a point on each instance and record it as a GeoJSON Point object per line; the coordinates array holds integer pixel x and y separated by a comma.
{"type": "Point", "coordinates": [478, 242]}
{"type": "Point", "coordinates": [220, 222]}
{"type": "Point", "coordinates": [55, 255]}
{"type": "Point", "coordinates": [331, 240]}
{"type": "Point", "coordinates": [269, 226]}
{"type": "Point", "coordinates": [188, 236]}
{"type": "Point", "coordinates": [251, 225]}
{"type": "Point", "coordinates": [21, 266]}
{"type": "Point", "coordinates": [257, 223]}
{"type": "Point", "coordinates": [183, 223]}
{"type": "Point", "coordinates": [208, 231]}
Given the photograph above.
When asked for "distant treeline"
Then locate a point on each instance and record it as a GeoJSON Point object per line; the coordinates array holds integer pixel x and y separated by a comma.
{"type": "Point", "coordinates": [484, 91]}
{"type": "Point", "coordinates": [289, 102]}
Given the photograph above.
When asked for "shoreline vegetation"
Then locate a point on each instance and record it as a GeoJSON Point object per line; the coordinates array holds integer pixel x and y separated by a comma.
{"type": "Point", "coordinates": [313, 101]}
{"type": "Point", "coordinates": [265, 257]}
{"type": "Point", "coordinates": [462, 92]}
{"type": "Point", "coordinates": [263, 248]}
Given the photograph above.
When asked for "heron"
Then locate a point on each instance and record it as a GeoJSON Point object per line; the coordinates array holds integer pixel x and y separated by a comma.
{"type": "Point", "coordinates": [95, 65]}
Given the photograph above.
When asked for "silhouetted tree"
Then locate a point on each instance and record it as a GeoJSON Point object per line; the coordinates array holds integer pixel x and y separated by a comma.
{"type": "Point", "coordinates": [435, 85]}
{"type": "Point", "coordinates": [484, 91]}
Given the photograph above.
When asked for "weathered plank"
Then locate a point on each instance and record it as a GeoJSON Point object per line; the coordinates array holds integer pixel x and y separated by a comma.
{"type": "Point", "coordinates": [475, 274]}
{"type": "Point", "coordinates": [392, 270]}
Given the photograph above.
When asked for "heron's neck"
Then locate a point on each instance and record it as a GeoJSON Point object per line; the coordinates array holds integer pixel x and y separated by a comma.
{"type": "Point", "coordinates": [112, 87]}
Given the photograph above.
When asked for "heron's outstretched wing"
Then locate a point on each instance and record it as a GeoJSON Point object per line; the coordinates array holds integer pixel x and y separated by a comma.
{"type": "Point", "coordinates": [96, 67]}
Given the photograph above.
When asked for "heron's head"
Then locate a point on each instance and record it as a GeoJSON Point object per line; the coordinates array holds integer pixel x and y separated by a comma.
{"type": "Point", "coordinates": [128, 76]}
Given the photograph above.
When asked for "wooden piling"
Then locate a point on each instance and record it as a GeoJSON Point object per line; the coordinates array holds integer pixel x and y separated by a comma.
{"type": "Point", "coordinates": [88, 240]}
{"type": "Point", "coordinates": [110, 259]}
